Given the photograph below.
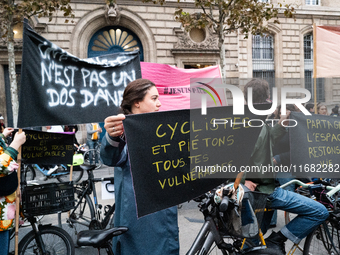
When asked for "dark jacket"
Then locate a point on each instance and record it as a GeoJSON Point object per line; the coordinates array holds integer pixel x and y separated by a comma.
{"type": "Point", "coordinates": [263, 154]}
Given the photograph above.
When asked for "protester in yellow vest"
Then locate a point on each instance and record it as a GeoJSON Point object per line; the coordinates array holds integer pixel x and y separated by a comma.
{"type": "Point", "coordinates": [93, 130]}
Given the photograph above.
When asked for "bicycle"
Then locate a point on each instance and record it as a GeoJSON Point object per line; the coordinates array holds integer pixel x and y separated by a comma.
{"type": "Point", "coordinates": [215, 233]}
{"type": "Point", "coordinates": [46, 239]}
{"type": "Point", "coordinates": [62, 173]}
{"type": "Point", "coordinates": [88, 214]}
{"type": "Point", "coordinates": [325, 239]}
{"type": "Point", "coordinates": [90, 156]}
{"type": "Point", "coordinates": [309, 192]}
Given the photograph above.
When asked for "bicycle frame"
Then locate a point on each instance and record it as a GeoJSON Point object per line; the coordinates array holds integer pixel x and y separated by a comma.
{"type": "Point", "coordinates": [45, 171]}
{"type": "Point", "coordinates": [88, 187]}
{"type": "Point", "coordinates": [206, 237]}
{"type": "Point", "coordinates": [210, 233]}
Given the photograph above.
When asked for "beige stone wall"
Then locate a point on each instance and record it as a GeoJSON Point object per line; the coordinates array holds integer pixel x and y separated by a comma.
{"type": "Point", "coordinates": [330, 3]}
{"type": "Point", "coordinates": [160, 33]}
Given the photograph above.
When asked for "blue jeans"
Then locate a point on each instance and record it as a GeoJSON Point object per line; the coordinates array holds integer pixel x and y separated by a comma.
{"type": "Point", "coordinates": [291, 187]}
{"type": "Point", "coordinates": [92, 145]}
{"type": "Point", "coordinates": [4, 242]}
{"type": "Point", "coordinates": [310, 213]}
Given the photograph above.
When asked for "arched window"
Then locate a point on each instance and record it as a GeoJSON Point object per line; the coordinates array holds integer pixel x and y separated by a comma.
{"type": "Point", "coordinates": [114, 39]}
{"type": "Point", "coordinates": [308, 63]}
{"type": "Point", "coordinates": [263, 58]}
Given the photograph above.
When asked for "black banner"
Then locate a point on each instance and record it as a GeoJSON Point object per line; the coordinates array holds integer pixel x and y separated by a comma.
{"type": "Point", "coordinates": [47, 148]}
{"type": "Point", "coordinates": [171, 153]}
{"type": "Point", "coordinates": [315, 146]}
{"type": "Point", "coordinates": [59, 89]}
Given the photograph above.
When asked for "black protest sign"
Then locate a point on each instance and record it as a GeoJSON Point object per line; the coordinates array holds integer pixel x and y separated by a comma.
{"type": "Point", "coordinates": [59, 89]}
{"type": "Point", "coordinates": [165, 149]}
{"type": "Point", "coordinates": [47, 148]}
{"type": "Point", "coordinates": [315, 146]}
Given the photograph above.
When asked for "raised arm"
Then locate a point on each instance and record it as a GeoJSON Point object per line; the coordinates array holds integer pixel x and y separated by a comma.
{"type": "Point", "coordinates": [112, 150]}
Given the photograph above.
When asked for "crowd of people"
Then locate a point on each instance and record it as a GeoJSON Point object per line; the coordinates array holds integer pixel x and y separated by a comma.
{"type": "Point", "coordinates": [157, 233]}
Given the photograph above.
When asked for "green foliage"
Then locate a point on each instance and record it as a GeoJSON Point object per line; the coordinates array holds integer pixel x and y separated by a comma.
{"type": "Point", "coordinates": [12, 11]}
{"type": "Point", "coordinates": [226, 16]}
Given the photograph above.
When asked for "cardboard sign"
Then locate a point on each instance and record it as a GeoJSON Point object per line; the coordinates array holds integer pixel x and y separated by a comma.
{"type": "Point", "coordinates": [47, 148]}
{"type": "Point", "coordinates": [59, 89]}
{"type": "Point", "coordinates": [170, 151]}
{"type": "Point", "coordinates": [315, 146]}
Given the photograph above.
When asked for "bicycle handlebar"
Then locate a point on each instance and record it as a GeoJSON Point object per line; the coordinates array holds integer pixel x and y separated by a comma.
{"type": "Point", "coordinates": [329, 194]}
{"type": "Point", "coordinates": [224, 204]}
{"type": "Point", "coordinates": [305, 185]}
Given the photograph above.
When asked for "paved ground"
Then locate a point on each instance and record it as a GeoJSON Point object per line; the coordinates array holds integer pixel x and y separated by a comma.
{"type": "Point", "coordinates": [190, 220]}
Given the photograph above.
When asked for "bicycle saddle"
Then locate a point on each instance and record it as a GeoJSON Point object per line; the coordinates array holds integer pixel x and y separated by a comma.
{"type": "Point", "coordinates": [98, 238]}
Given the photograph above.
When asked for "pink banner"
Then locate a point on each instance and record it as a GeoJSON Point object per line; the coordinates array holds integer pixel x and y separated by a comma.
{"type": "Point", "coordinates": [173, 85]}
{"type": "Point", "coordinates": [327, 51]}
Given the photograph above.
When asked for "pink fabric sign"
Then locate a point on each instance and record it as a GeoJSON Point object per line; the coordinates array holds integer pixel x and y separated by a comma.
{"type": "Point", "coordinates": [327, 51]}
{"type": "Point", "coordinates": [173, 85]}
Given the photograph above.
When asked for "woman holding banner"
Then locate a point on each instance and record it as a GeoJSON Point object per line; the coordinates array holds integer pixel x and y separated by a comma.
{"type": "Point", "coordinates": [8, 185]}
{"type": "Point", "coordinates": [156, 233]}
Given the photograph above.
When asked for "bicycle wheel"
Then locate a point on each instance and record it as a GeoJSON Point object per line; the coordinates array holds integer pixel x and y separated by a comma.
{"type": "Point", "coordinates": [64, 176]}
{"type": "Point", "coordinates": [28, 172]}
{"type": "Point", "coordinates": [56, 241]}
{"type": "Point", "coordinates": [320, 242]}
{"type": "Point", "coordinates": [90, 157]}
{"type": "Point", "coordinates": [82, 216]}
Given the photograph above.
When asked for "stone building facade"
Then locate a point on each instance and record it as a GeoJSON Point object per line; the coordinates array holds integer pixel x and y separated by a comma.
{"type": "Point", "coordinates": [284, 57]}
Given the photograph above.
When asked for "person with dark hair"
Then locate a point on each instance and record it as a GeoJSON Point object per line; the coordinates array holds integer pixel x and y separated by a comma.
{"type": "Point", "coordinates": [157, 233]}
{"type": "Point", "coordinates": [310, 213]}
{"type": "Point", "coordinates": [335, 112]}
{"type": "Point", "coordinates": [261, 93]}
{"type": "Point", "coordinates": [310, 107]}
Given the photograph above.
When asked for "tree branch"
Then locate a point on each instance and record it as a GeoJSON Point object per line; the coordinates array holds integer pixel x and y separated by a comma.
{"type": "Point", "coordinates": [210, 16]}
